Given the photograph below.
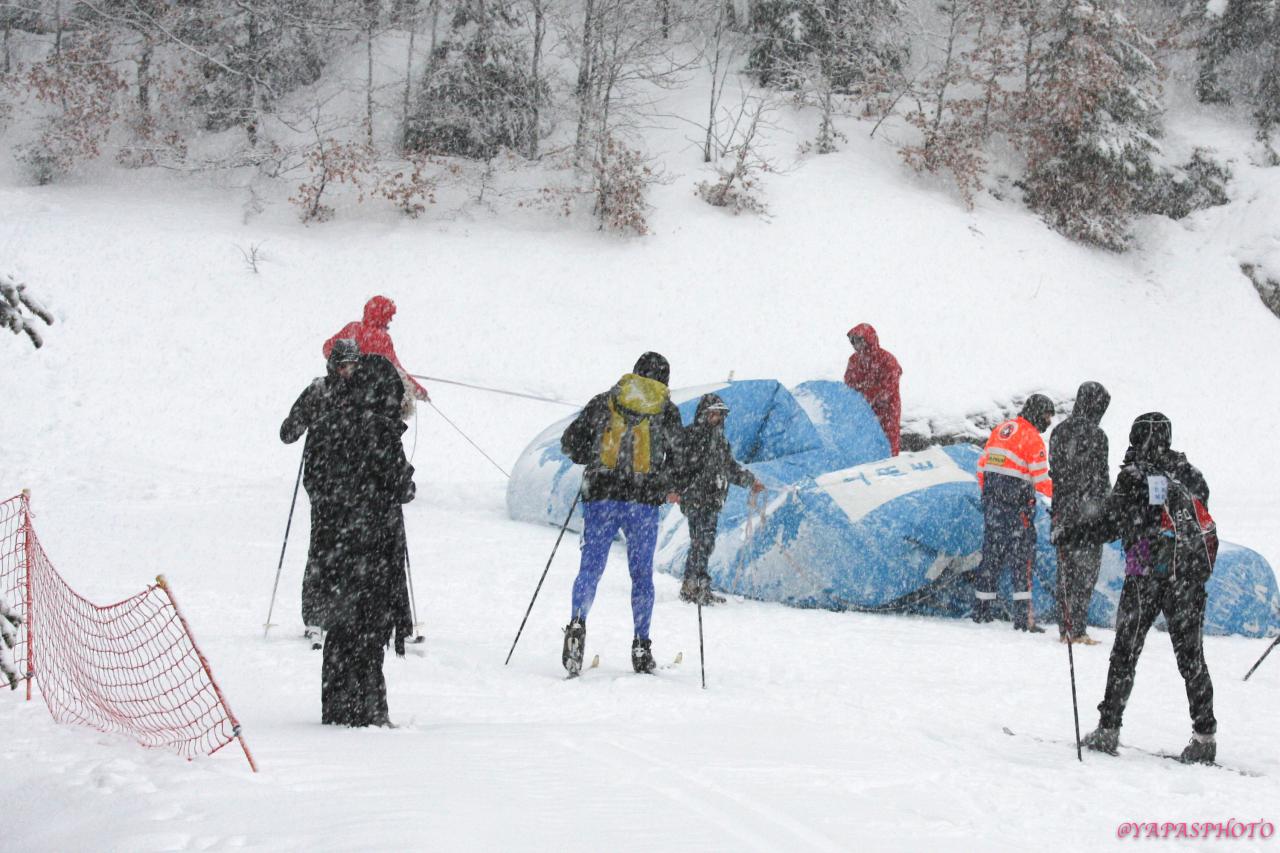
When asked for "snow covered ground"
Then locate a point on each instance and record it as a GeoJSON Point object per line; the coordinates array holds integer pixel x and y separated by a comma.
{"type": "Point", "coordinates": [146, 429]}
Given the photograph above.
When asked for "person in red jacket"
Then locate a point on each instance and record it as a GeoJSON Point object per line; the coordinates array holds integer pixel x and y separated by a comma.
{"type": "Point", "coordinates": [371, 335]}
{"type": "Point", "coordinates": [874, 373]}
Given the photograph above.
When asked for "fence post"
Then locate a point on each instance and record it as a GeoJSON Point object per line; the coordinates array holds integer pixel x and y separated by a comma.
{"type": "Point", "coordinates": [231, 718]}
{"type": "Point", "coordinates": [30, 669]}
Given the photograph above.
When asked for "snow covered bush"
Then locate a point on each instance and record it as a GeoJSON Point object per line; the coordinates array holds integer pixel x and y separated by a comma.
{"type": "Point", "coordinates": [1089, 129]}
{"type": "Point", "coordinates": [76, 88]}
{"type": "Point", "coordinates": [1199, 183]}
{"type": "Point", "coordinates": [620, 181]}
{"type": "Point", "coordinates": [740, 165]}
{"type": "Point", "coordinates": [18, 310]}
{"type": "Point", "coordinates": [828, 52]}
{"type": "Point", "coordinates": [1239, 59]}
{"type": "Point", "coordinates": [477, 96]}
{"type": "Point", "coordinates": [329, 162]}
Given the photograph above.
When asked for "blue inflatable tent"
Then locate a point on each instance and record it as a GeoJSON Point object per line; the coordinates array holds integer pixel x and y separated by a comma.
{"type": "Point", "coordinates": [842, 527]}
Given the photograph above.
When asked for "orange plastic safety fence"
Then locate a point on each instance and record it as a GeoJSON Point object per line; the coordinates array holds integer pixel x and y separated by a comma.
{"type": "Point", "coordinates": [131, 667]}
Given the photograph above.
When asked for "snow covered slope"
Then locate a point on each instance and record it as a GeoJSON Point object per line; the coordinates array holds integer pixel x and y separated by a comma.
{"type": "Point", "coordinates": [146, 429]}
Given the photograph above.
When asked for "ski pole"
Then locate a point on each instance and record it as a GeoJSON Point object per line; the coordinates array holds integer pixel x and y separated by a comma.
{"type": "Point", "coordinates": [266, 628]}
{"type": "Point", "coordinates": [702, 658]}
{"type": "Point", "coordinates": [538, 589]}
{"type": "Point", "coordinates": [1071, 663]}
{"type": "Point", "coordinates": [1274, 643]}
{"type": "Point", "coordinates": [468, 438]}
{"type": "Point", "coordinates": [413, 602]}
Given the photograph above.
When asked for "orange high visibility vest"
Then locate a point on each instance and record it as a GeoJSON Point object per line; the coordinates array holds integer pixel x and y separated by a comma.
{"type": "Point", "coordinates": [1016, 449]}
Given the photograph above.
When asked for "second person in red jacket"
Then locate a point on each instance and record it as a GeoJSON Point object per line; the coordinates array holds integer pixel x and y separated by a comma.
{"type": "Point", "coordinates": [874, 373]}
{"type": "Point", "coordinates": [371, 335]}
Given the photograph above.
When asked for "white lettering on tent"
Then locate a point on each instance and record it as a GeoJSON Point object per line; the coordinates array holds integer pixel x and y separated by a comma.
{"type": "Point", "coordinates": [863, 488]}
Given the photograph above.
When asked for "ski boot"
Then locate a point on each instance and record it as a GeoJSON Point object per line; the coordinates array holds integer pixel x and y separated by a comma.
{"type": "Point", "coordinates": [575, 642]}
{"type": "Point", "coordinates": [1203, 749]}
{"type": "Point", "coordinates": [1102, 740]}
{"type": "Point", "coordinates": [642, 656]}
{"type": "Point", "coordinates": [1030, 629]}
{"type": "Point", "coordinates": [982, 611]}
{"type": "Point", "coordinates": [689, 589]}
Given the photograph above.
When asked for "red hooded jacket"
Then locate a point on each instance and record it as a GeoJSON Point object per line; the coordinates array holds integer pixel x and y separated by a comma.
{"type": "Point", "coordinates": [874, 373]}
{"type": "Point", "coordinates": [371, 334]}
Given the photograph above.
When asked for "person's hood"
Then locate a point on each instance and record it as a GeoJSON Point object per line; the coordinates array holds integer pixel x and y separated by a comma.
{"type": "Point", "coordinates": [377, 387]}
{"type": "Point", "coordinates": [1038, 411]}
{"type": "Point", "coordinates": [709, 403]}
{"type": "Point", "coordinates": [1092, 401]}
{"type": "Point", "coordinates": [654, 366]}
{"type": "Point", "coordinates": [640, 395]}
{"type": "Point", "coordinates": [378, 311]}
{"type": "Point", "coordinates": [867, 332]}
{"type": "Point", "coordinates": [1150, 438]}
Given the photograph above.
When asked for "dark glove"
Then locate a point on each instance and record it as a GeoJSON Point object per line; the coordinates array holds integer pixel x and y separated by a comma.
{"type": "Point", "coordinates": [400, 633]}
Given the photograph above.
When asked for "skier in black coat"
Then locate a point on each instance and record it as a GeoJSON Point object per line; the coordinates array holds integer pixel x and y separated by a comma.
{"type": "Point", "coordinates": [1155, 486]}
{"type": "Point", "coordinates": [630, 440]}
{"type": "Point", "coordinates": [1078, 469]}
{"type": "Point", "coordinates": [360, 595]}
{"type": "Point", "coordinates": [709, 468]}
{"type": "Point", "coordinates": [324, 396]}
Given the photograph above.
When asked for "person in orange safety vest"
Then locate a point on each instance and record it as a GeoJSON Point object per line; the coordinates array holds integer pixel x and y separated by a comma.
{"type": "Point", "coordinates": [1013, 467]}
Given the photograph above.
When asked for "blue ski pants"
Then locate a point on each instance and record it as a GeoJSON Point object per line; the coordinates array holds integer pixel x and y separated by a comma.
{"type": "Point", "coordinates": [639, 525]}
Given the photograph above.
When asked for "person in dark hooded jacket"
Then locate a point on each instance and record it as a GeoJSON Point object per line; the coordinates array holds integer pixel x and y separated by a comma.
{"type": "Point", "coordinates": [1078, 468]}
{"type": "Point", "coordinates": [360, 592]}
{"type": "Point", "coordinates": [1157, 581]}
{"type": "Point", "coordinates": [709, 468]}
{"type": "Point", "coordinates": [322, 398]}
{"type": "Point", "coordinates": [630, 439]}
{"type": "Point", "coordinates": [874, 373]}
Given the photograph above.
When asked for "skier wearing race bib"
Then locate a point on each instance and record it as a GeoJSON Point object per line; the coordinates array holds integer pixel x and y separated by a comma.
{"type": "Point", "coordinates": [1158, 511]}
{"type": "Point", "coordinates": [630, 440]}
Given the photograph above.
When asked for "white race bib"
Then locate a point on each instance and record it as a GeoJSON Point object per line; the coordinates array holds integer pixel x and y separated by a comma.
{"type": "Point", "coordinates": [1157, 489]}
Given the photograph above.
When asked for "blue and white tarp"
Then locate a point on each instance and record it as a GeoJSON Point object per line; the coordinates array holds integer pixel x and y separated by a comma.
{"type": "Point", "coordinates": [842, 527]}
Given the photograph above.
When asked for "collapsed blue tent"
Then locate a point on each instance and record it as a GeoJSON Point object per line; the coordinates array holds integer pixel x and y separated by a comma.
{"type": "Point", "coordinates": [842, 527]}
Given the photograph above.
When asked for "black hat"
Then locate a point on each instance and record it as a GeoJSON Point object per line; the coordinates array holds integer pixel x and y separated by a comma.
{"type": "Point", "coordinates": [1039, 410]}
{"type": "Point", "coordinates": [345, 351]}
{"type": "Point", "coordinates": [653, 366]}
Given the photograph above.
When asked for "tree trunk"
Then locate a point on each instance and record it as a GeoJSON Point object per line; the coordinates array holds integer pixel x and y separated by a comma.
{"type": "Point", "coordinates": [535, 78]}
{"type": "Point", "coordinates": [144, 76]}
{"type": "Point", "coordinates": [411, 21]}
{"type": "Point", "coordinates": [664, 10]}
{"type": "Point", "coordinates": [368, 88]}
{"type": "Point", "coordinates": [57, 28]}
{"type": "Point", "coordinates": [586, 79]}
{"type": "Point", "coordinates": [8, 27]}
{"type": "Point", "coordinates": [251, 80]}
{"type": "Point", "coordinates": [435, 42]}
{"type": "Point", "coordinates": [717, 36]}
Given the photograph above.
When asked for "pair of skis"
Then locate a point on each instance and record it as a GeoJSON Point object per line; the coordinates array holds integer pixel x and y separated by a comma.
{"type": "Point", "coordinates": [1169, 756]}
{"type": "Point", "coordinates": [595, 664]}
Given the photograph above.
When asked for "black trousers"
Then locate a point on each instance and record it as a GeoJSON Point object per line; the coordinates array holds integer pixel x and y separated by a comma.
{"type": "Point", "coordinates": [1078, 567]}
{"type": "Point", "coordinates": [353, 691]}
{"type": "Point", "coordinates": [702, 541]}
{"type": "Point", "coordinates": [1182, 603]}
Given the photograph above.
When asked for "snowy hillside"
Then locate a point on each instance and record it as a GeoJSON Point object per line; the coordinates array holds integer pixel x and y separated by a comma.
{"type": "Point", "coordinates": [146, 429]}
